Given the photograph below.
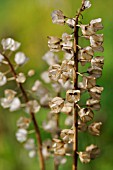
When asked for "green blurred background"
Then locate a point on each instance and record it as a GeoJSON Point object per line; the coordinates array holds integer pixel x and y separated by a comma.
{"type": "Point", "coordinates": [29, 22]}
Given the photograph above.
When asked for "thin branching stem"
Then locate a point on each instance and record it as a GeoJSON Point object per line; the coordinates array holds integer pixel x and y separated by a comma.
{"type": "Point", "coordinates": [75, 83]}
{"type": "Point", "coordinates": [36, 127]}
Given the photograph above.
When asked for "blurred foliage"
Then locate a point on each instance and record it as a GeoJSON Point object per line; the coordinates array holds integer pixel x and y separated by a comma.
{"type": "Point", "coordinates": [29, 22]}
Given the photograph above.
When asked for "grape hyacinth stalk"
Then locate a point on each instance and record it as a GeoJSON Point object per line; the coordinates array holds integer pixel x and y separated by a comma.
{"type": "Point", "coordinates": [69, 69]}
{"type": "Point", "coordinates": [67, 83]}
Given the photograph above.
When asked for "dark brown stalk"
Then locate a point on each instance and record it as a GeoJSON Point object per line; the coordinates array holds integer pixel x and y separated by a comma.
{"type": "Point", "coordinates": [38, 136]}
{"type": "Point", "coordinates": [75, 83]}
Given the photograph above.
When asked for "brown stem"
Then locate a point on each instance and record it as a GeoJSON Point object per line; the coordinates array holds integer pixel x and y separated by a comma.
{"type": "Point", "coordinates": [75, 83]}
{"type": "Point", "coordinates": [38, 136]}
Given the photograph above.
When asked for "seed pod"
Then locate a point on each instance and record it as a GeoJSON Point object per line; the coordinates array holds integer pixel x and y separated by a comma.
{"type": "Point", "coordinates": [95, 92]}
{"type": "Point", "coordinates": [93, 104]}
{"type": "Point", "coordinates": [96, 24]}
{"type": "Point", "coordinates": [54, 43]}
{"type": "Point", "coordinates": [3, 79]}
{"type": "Point", "coordinates": [67, 135]}
{"type": "Point", "coordinates": [87, 82]}
{"type": "Point", "coordinates": [85, 55]}
{"type": "Point", "coordinates": [97, 61]}
{"type": "Point", "coordinates": [95, 71]}
{"type": "Point", "coordinates": [94, 128]}
{"type": "Point", "coordinates": [21, 78]}
{"type": "Point", "coordinates": [86, 114]}
{"type": "Point", "coordinates": [93, 150]}
{"type": "Point", "coordinates": [58, 17]}
{"type": "Point", "coordinates": [67, 108]}
{"type": "Point", "coordinates": [73, 96]}
{"type": "Point", "coordinates": [56, 104]}
{"type": "Point", "coordinates": [54, 72]}
{"type": "Point", "coordinates": [87, 30]}
{"type": "Point", "coordinates": [70, 23]}
{"type": "Point", "coordinates": [82, 127]}
{"type": "Point", "coordinates": [84, 157]}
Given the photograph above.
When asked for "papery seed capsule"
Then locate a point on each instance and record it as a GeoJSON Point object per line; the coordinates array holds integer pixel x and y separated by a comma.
{"type": "Point", "coordinates": [94, 128]}
{"type": "Point", "coordinates": [56, 104]}
{"type": "Point", "coordinates": [54, 72]}
{"type": "Point", "coordinates": [54, 43]}
{"type": "Point", "coordinates": [97, 61]}
{"type": "Point", "coordinates": [93, 104]}
{"type": "Point", "coordinates": [23, 122]}
{"type": "Point", "coordinates": [88, 82]}
{"type": "Point", "coordinates": [84, 157]}
{"type": "Point", "coordinates": [70, 23]}
{"type": "Point", "coordinates": [93, 150]}
{"type": "Point", "coordinates": [3, 79]}
{"type": "Point", "coordinates": [32, 106]}
{"type": "Point", "coordinates": [95, 92]}
{"type": "Point", "coordinates": [73, 96]}
{"type": "Point", "coordinates": [58, 17]}
{"type": "Point", "coordinates": [86, 114]}
{"type": "Point", "coordinates": [67, 108]}
{"type": "Point", "coordinates": [96, 24]}
{"type": "Point", "coordinates": [21, 78]}
{"type": "Point", "coordinates": [87, 30]}
{"type": "Point", "coordinates": [95, 71]}
{"type": "Point", "coordinates": [82, 127]}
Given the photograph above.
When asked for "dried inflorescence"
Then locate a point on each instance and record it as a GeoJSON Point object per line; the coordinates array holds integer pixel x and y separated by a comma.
{"type": "Point", "coordinates": [68, 84]}
{"type": "Point", "coordinates": [68, 70]}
